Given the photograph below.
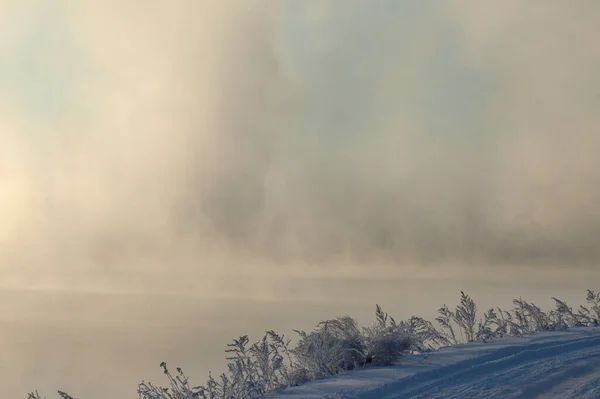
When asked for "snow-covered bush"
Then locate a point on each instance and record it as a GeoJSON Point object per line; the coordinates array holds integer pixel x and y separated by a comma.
{"type": "Point", "coordinates": [591, 313]}
{"type": "Point", "coordinates": [445, 319]}
{"type": "Point", "coordinates": [424, 332]}
{"type": "Point", "coordinates": [179, 387]}
{"type": "Point", "coordinates": [497, 325]}
{"type": "Point", "coordinates": [253, 371]}
{"type": "Point", "coordinates": [524, 318]}
{"type": "Point", "coordinates": [386, 341]}
{"type": "Point", "coordinates": [565, 314]}
{"type": "Point", "coordinates": [531, 317]}
{"type": "Point", "coordinates": [465, 318]}
{"type": "Point", "coordinates": [351, 341]}
{"type": "Point", "coordinates": [36, 395]}
{"type": "Point", "coordinates": [320, 353]}
{"type": "Point", "coordinates": [489, 327]}
{"type": "Point", "coordinates": [340, 345]}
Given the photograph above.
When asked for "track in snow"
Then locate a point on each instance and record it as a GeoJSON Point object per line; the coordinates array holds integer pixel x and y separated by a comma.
{"type": "Point", "coordinates": [522, 371]}
{"type": "Point", "coordinates": [545, 366]}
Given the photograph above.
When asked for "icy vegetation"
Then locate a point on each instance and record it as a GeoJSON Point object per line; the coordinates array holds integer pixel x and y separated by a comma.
{"type": "Point", "coordinates": [336, 346]}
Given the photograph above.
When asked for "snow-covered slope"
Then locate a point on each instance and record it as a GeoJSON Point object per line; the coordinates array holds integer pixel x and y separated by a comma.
{"type": "Point", "coordinates": [562, 364]}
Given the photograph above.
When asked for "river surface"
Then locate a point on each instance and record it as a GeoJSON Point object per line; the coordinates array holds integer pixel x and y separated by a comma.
{"type": "Point", "coordinates": [97, 345]}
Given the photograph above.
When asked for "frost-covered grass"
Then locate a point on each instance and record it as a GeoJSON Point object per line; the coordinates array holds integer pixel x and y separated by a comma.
{"type": "Point", "coordinates": [339, 345]}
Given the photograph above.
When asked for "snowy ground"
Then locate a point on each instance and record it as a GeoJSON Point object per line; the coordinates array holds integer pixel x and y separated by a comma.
{"type": "Point", "coordinates": [548, 365]}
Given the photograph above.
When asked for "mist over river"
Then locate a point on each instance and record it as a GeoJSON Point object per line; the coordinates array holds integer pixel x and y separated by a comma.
{"type": "Point", "coordinates": [99, 345]}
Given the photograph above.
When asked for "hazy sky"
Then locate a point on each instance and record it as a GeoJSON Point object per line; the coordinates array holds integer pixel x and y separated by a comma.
{"type": "Point", "coordinates": [198, 137]}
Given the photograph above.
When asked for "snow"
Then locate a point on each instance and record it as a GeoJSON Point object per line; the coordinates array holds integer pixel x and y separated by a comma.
{"type": "Point", "coordinates": [564, 364]}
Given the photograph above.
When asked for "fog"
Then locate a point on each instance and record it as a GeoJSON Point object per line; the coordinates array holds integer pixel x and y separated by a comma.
{"type": "Point", "coordinates": [176, 174]}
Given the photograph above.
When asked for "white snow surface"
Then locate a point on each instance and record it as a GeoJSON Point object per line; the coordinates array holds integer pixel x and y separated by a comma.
{"type": "Point", "coordinates": [562, 364]}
